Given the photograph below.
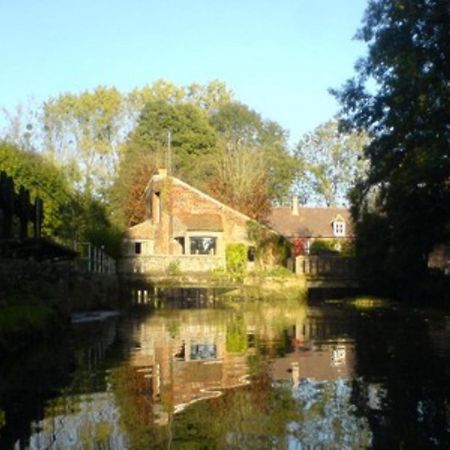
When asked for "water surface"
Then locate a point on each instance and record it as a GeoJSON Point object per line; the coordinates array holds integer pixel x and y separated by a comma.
{"type": "Point", "coordinates": [281, 375]}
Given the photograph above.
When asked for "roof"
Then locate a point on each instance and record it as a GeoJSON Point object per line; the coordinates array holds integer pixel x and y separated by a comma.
{"type": "Point", "coordinates": [143, 230]}
{"type": "Point", "coordinates": [156, 183]}
{"type": "Point", "coordinates": [202, 222]}
{"type": "Point", "coordinates": [310, 221]}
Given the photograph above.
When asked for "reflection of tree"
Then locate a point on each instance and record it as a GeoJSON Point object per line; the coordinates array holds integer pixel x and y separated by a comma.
{"type": "Point", "coordinates": [134, 397]}
{"type": "Point", "coordinates": [236, 340]}
{"type": "Point", "coordinates": [328, 417]}
{"type": "Point", "coordinates": [254, 417]}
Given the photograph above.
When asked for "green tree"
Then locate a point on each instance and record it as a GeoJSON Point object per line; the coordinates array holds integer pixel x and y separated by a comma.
{"type": "Point", "coordinates": [185, 128]}
{"type": "Point", "coordinates": [242, 131]}
{"type": "Point", "coordinates": [84, 132]}
{"type": "Point", "coordinates": [45, 180]}
{"type": "Point", "coordinates": [329, 163]}
{"type": "Point", "coordinates": [401, 97]}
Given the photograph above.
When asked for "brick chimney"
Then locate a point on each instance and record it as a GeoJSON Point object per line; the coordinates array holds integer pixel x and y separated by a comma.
{"type": "Point", "coordinates": [294, 205]}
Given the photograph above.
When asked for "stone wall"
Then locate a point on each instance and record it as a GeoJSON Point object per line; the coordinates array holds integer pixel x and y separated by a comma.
{"type": "Point", "coordinates": [59, 283]}
{"type": "Point", "coordinates": [170, 263]}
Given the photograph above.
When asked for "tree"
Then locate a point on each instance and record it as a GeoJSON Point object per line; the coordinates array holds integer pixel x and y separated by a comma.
{"type": "Point", "coordinates": [84, 132]}
{"type": "Point", "coordinates": [243, 132]}
{"type": "Point", "coordinates": [239, 179]}
{"type": "Point", "coordinates": [401, 97]}
{"type": "Point", "coordinates": [329, 163]}
{"type": "Point", "coordinates": [45, 180]}
{"type": "Point", "coordinates": [185, 128]}
{"type": "Point", "coordinates": [128, 191]}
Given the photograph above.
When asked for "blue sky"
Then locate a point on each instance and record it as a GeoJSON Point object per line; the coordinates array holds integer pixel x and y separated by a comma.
{"type": "Point", "coordinates": [278, 56]}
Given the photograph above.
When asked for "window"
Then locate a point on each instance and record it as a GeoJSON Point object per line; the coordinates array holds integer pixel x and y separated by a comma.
{"type": "Point", "coordinates": [339, 228]}
{"type": "Point", "coordinates": [203, 352]}
{"type": "Point", "coordinates": [251, 253]}
{"type": "Point", "coordinates": [203, 245]}
{"type": "Point", "coordinates": [138, 248]}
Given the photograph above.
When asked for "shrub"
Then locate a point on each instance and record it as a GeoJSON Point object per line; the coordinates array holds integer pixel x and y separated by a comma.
{"type": "Point", "coordinates": [236, 256]}
{"type": "Point", "coordinates": [173, 269]}
{"type": "Point", "coordinates": [323, 247]}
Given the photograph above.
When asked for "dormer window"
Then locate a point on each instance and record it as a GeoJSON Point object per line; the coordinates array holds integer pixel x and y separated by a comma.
{"type": "Point", "coordinates": [339, 228]}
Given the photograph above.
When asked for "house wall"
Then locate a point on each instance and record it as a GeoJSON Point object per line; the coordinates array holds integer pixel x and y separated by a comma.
{"type": "Point", "coordinates": [178, 200]}
{"type": "Point", "coordinates": [170, 201]}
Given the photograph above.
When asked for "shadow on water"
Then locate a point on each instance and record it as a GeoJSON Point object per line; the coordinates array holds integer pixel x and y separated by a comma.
{"type": "Point", "coordinates": [176, 371]}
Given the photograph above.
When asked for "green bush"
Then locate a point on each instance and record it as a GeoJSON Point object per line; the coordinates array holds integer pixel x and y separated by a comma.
{"type": "Point", "coordinates": [236, 257]}
{"type": "Point", "coordinates": [173, 269]}
{"type": "Point", "coordinates": [348, 248]}
{"type": "Point", "coordinates": [323, 247]}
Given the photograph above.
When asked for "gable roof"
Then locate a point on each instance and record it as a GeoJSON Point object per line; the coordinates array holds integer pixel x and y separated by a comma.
{"type": "Point", "coordinates": [310, 221]}
{"type": "Point", "coordinates": [156, 181]}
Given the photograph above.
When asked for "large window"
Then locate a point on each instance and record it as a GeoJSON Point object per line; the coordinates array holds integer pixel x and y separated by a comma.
{"type": "Point", "coordinates": [204, 245]}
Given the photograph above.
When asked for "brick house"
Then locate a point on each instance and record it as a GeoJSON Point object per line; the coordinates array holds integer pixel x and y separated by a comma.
{"type": "Point", "coordinates": [185, 230]}
{"type": "Point", "coordinates": [311, 223]}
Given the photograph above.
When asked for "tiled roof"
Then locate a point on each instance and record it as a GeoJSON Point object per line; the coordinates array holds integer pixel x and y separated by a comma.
{"type": "Point", "coordinates": [310, 221]}
{"type": "Point", "coordinates": [202, 222]}
{"type": "Point", "coordinates": [143, 230]}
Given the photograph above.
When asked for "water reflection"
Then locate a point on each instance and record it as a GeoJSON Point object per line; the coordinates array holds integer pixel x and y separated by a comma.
{"type": "Point", "coordinates": [246, 376]}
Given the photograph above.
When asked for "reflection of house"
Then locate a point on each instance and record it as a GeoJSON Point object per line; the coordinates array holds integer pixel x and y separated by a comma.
{"type": "Point", "coordinates": [185, 229]}
{"type": "Point", "coordinates": [311, 223]}
{"type": "Point", "coordinates": [323, 361]}
{"type": "Point", "coordinates": [186, 360]}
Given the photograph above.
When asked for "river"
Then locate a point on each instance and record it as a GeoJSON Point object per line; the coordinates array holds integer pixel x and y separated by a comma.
{"type": "Point", "coordinates": [200, 374]}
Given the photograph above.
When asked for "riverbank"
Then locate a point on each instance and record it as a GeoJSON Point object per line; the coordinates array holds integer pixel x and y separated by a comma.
{"type": "Point", "coordinates": [38, 297]}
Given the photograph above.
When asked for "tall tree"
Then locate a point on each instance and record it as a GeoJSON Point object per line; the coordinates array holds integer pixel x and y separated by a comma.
{"type": "Point", "coordinates": [179, 132]}
{"type": "Point", "coordinates": [401, 97]}
{"type": "Point", "coordinates": [240, 179]}
{"type": "Point", "coordinates": [242, 130]}
{"type": "Point", "coordinates": [84, 131]}
{"type": "Point", "coordinates": [329, 163]}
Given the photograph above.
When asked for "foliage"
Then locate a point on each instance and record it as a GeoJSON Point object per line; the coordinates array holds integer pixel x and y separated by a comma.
{"type": "Point", "coordinates": [85, 130]}
{"type": "Point", "coordinates": [192, 139]}
{"type": "Point", "coordinates": [329, 163]}
{"type": "Point", "coordinates": [270, 247]}
{"type": "Point", "coordinates": [107, 237]}
{"type": "Point", "coordinates": [127, 193]}
{"type": "Point", "coordinates": [244, 134]}
{"type": "Point", "coordinates": [173, 269]}
{"type": "Point", "coordinates": [45, 180]}
{"type": "Point", "coordinates": [299, 246]}
{"type": "Point", "coordinates": [240, 180]}
{"type": "Point", "coordinates": [347, 248]}
{"type": "Point", "coordinates": [400, 96]}
{"type": "Point", "coordinates": [236, 257]}
{"type": "Point", "coordinates": [24, 317]}
{"type": "Point", "coordinates": [276, 272]}
{"type": "Point", "coordinates": [323, 247]}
